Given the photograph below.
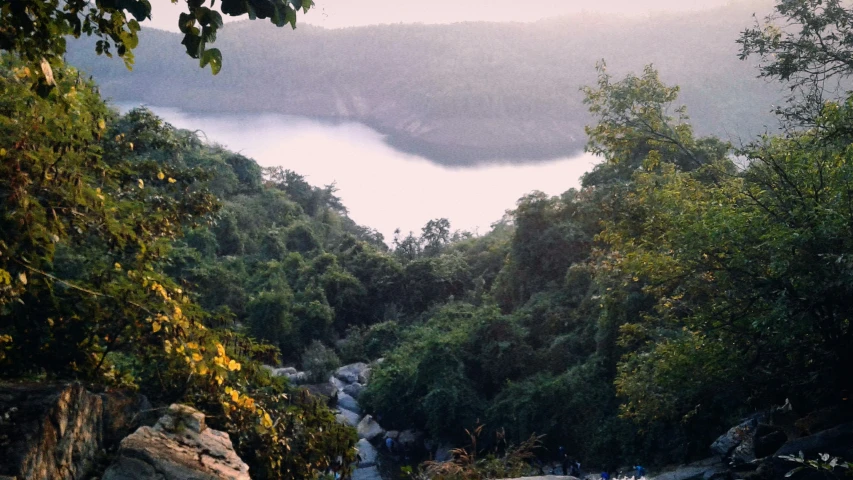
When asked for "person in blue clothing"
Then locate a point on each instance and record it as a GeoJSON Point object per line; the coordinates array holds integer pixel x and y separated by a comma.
{"type": "Point", "coordinates": [641, 472]}
{"type": "Point", "coordinates": [605, 475]}
{"type": "Point", "coordinates": [389, 444]}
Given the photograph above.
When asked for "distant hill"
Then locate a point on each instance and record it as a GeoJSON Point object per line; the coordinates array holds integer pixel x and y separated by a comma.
{"type": "Point", "coordinates": [458, 94]}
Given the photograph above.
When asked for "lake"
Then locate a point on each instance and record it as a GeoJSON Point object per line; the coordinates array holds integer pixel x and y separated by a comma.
{"type": "Point", "coordinates": [383, 188]}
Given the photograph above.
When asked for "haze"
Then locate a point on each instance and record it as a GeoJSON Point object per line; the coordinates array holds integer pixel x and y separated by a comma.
{"type": "Point", "coordinates": [352, 13]}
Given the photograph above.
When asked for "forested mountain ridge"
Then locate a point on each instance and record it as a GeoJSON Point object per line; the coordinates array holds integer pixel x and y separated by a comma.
{"type": "Point", "coordinates": [458, 94]}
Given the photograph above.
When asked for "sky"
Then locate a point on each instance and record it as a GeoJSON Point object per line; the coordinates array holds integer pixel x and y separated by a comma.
{"type": "Point", "coordinates": [350, 13]}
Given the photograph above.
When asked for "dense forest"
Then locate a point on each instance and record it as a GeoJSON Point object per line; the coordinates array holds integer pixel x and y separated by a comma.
{"type": "Point", "coordinates": [458, 94]}
{"type": "Point", "coordinates": [688, 282]}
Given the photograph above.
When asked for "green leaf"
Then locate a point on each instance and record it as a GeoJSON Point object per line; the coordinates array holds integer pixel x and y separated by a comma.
{"type": "Point", "coordinates": [214, 58]}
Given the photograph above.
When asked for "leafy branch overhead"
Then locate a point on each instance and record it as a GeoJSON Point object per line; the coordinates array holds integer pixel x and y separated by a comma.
{"type": "Point", "coordinates": [37, 30]}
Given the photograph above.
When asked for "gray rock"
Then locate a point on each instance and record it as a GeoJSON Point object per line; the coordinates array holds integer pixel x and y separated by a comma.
{"type": "Point", "coordinates": [347, 417]}
{"type": "Point", "coordinates": [297, 378]}
{"type": "Point", "coordinates": [339, 385]}
{"type": "Point", "coordinates": [369, 429]}
{"type": "Point", "coordinates": [178, 447]}
{"type": "Point", "coordinates": [709, 466]}
{"type": "Point", "coordinates": [443, 453]}
{"type": "Point", "coordinates": [347, 402]}
{"type": "Point", "coordinates": [349, 373]}
{"type": "Point", "coordinates": [364, 376]}
{"type": "Point", "coordinates": [392, 434]}
{"type": "Point", "coordinates": [737, 444]}
{"type": "Point", "coordinates": [369, 473]}
{"type": "Point", "coordinates": [367, 452]}
{"type": "Point", "coordinates": [353, 390]}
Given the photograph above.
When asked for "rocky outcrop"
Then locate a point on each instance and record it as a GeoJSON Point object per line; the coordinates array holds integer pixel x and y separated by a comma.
{"type": "Point", "coordinates": [178, 447]}
{"type": "Point", "coordinates": [706, 469]}
{"type": "Point", "coordinates": [294, 376]}
{"type": "Point", "coordinates": [57, 431]}
{"type": "Point", "coordinates": [369, 430]}
{"type": "Point", "coordinates": [350, 373]}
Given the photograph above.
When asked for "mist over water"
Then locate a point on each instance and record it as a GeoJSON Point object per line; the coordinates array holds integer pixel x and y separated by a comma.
{"type": "Point", "coordinates": [383, 188]}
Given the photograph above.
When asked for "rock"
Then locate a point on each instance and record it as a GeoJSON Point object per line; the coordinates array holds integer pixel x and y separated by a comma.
{"type": "Point", "coordinates": [321, 389]}
{"type": "Point", "coordinates": [297, 378]}
{"type": "Point", "coordinates": [124, 412]}
{"type": "Point", "coordinates": [392, 434]}
{"type": "Point", "coordinates": [280, 372]}
{"type": "Point", "coordinates": [367, 452]}
{"type": "Point", "coordinates": [364, 376]}
{"type": "Point", "coordinates": [337, 384]}
{"type": "Point", "coordinates": [178, 447]}
{"type": "Point", "coordinates": [837, 442]}
{"type": "Point", "coordinates": [736, 445]}
{"type": "Point", "coordinates": [822, 420]}
{"type": "Point", "coordinates": [444, 453]}
{"type": "Point", "coordinates": [353, 390]}
{"type": "Point", "coordinates": [767, 440]}
{"type": "Point", "coordinates": [369, 473]}
{"type": "Point", "coordinates": [410, 439]}
{"type": "Point", "coordinates": [709, 467]}
{"type": "Point", "coordinates": [349, 373]}
{"type": "Point", "coordinates": [347, 402]}
{"type": "Point", "coordinates": [347, 417]}
{"type": "Point", "coordinates": [56, 431]}
{"type": "Point", "coordinates": [369, 429]}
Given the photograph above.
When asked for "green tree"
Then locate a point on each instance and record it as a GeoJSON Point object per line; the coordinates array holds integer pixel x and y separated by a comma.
{"type": "Point", "coordinates": [36, 30]}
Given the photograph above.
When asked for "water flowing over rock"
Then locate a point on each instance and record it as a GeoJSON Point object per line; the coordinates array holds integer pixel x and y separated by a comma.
{"type": "Point", "coordinates": [55, 431]}
{"type": "Point", "coordinates": [178, 447]}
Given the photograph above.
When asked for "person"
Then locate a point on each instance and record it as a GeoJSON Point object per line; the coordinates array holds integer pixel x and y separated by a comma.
{"type": "Point", "coordinates": [564, 459]}
{"type": "Point", "coordinates": [389, 444]}
{"type": "Point", "coordinates": [605, 475]}
{"type": "Point", "coordinates": [641, 472]}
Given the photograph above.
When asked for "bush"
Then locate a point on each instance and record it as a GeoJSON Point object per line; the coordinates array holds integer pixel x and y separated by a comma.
{"type": "Point", "coordinates": [319, 361]}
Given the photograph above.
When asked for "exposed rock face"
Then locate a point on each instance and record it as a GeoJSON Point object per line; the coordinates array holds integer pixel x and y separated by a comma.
{"type": "Point", "coordinates": [56, 431]}
{"type": "Point", "coordinates": [707, 468]}
{"type": "Point", "coordinates": [347, 417]}
{"type": "Point", "coordinates": [368, 429]}
{"type": "Point", "coordinates": [178, 447]}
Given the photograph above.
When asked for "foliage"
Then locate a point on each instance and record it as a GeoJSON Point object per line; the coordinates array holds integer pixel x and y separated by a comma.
{"type": "Point", "coordinates": [504, 461]}
{"type": "Point", "coordinates": [824, 463]}
{"type": "Point", "coordinates": [36, 30]}
{"type": "Point", "coordinates": [319, 361]}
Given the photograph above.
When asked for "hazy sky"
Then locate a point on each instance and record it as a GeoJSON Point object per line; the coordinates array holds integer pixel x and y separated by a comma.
{"type": "Point", "coordinates": [347, 13]}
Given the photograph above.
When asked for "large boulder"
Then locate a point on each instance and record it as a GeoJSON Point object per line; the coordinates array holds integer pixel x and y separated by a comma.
{"type": "Point", "coordinates": [368, 429]}
{"type": "Point", "coordinates": [178, 447]}
{"type": "Point", "coordinates": [367, 453]}
{"type": "Point", "coordinates": [354, 390]}
{"type": "Point", "coordinates": [364, 376]}
{"type": "Point", "coordinates": [56, 431]}
{"type": "Point", "coordinates": [836, 441]}
{"type": "Point", "coordinates": [347, 417]}
{"type": "Point", "coordinates": [349, 373]}
{"type": "Point", "coordinates": [706, 469]}
{"type": "Point", "coordinates": [347, 402]}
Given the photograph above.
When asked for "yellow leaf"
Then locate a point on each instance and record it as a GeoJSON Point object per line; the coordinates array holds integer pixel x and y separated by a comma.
{"type": "Point", "coordinates": [202, 369]}
{"type": "Point", "coordinates": [102, 124]}
{"type": "Point", "coordinates": [220, 349]}
{"type": "Point", "coordinates": [266, 421]}
{"type": "Point", "coordinates": [130, 144]}
{"type": "Point", "coordinates": [192, 345]}
{"type": "Point", "coordinates": [232, 365]}
{"type": "Point", "coordinates": [22, 277]}
{"type": "Point", "coordinates": [172, 180]}
{"type": "Point", "coordinates": [2, 152]}
{"type": "Point", "coordinates": [117, 266]}
{"type": "Point", "coordinates": [160, 175]}
{"type": "Point", "coordinates": [155, 326]}
{"type": "Point", "coordinates": [235, 395]}
{"type": "Point", "coordinates": [141, 183]}
{"type": "Point", "coordinates": [197, 357]}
